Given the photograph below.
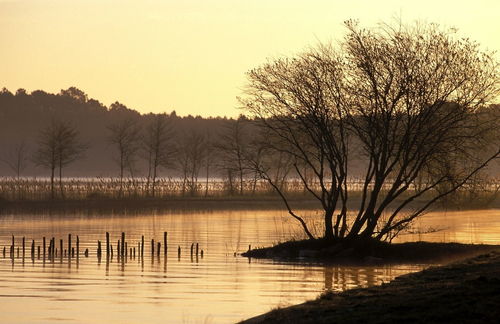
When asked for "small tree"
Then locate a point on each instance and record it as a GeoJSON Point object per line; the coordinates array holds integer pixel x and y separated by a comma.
{"type": "Point", "coordinates": [231, 146]}
{"type": "Point", "coordinates": [158, 147]}
{"type": "Point", "coordinates": [17, 158]}
{"type": "Point", "coordinates": [190, 156]}
{"type": "Point", "coordinates": [125, 136]}
{"type": "Point", "coordinates": [404, 100]}
{"type": "Point", "coordinates": [58, 147]}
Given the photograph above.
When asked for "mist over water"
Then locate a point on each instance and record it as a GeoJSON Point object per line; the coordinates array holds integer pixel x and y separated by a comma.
{"type": "Point", "coordinates": [216, 288]}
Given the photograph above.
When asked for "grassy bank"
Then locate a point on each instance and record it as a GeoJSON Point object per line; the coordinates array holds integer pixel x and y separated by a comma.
{"type": "Point", "coordinates": [368, 251]}
{"type": "Point", "coordinates": [463, 292]}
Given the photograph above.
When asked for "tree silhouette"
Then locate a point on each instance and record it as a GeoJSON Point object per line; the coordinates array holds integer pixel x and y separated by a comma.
{"type": "Point", "coordinates": [158, 147]}
{"type": "Point", "coordinates": [231, 146]}
{"type": "Point", "coordinates": [17, 158]}
{"type": "Point", "coordinates": [125, 136]}
{"type": "Point", "coordinates": [406, 98]}
{"type": "Point", "coordinates": [58, 147]}
{"type": "Point", "coordinates": [190, 156]}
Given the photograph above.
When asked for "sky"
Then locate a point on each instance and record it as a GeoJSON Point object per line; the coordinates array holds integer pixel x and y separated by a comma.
{"type": "Point", "coordinates": [191, 56]}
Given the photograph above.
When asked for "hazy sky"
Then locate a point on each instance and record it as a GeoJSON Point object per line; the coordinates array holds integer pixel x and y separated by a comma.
{"type": "Point", "coordinates": [187, 55]}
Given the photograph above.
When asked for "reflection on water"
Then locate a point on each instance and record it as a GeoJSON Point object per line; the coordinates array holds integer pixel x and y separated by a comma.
{"type": "Point", "coordinates": [216, 288]}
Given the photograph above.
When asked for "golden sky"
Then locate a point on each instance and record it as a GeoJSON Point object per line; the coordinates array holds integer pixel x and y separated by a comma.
{"type": "Point", "coordinates": [190, 55]}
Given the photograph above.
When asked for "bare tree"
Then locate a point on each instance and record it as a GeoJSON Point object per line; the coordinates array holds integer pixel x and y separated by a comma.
{"type": "Point", "coordinates": [17, 158]}
{"type": "Point", "coordinates": [231, 147]}
{"type": "Point", "coordinates": [58, 147]}
{"type": "Point", "coordinates": [125, 136]}
{"type": "Point", "coordinates": [405, 98]}
{"type": "Point", "coordinates": [190, 156]}
{"type": "Point", "coordinates": [158, 147]}
{"type": "Point", "coordinates": [209, 158]}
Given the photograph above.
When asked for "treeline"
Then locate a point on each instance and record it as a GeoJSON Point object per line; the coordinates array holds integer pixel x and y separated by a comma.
{"type": "Point", "coordinates": [125, 153]}
{"type": "Point", "coordinates": [70, 135]}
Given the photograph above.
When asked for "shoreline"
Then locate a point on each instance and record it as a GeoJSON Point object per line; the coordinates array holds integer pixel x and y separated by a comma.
{"type": "Point", "coordinates": [142, 204]}
{"type": "Point", "coordinates": [363, 252]}
{"type": "Point", "coordinates": [139, 205]}
{"type": "Point", "coordinates": [466, 291]}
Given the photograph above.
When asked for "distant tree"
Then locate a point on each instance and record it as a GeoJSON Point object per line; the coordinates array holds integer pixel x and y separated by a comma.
{"type": "Point", "coordinates": [75, 93]}
{"type": "Point", "coordinates": [406, 98]}
{"type": "Point", "coordinates": [125, 136]}
{"type": "Point", "coordinates": [209, 159]}
{"type": "Point", "coordinates": [17, 158]}
{"type": "Point", "coordinates": [58, 146]}
{"type": "Point", "coordinates": [231, 146]}
{"type": "Point", "coordinates": [21, 92]}
{"type": "Point", "coordinates": [190, 156]}
{"type": "Point", "coordinates": [158, 147]}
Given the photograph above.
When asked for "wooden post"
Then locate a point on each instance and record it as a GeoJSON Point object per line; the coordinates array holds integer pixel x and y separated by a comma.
{"type": "Point", "coordinates": [4, 252]}
{"type": "Point", "coordinates": [126, 249]}
{"type": "Point", "coordinates": [165, 243]}
{"type": "Point", "coordinates": [69, 246]}
{"type": "Point", "coordinates": [13, 246]}
{"type": "Point", "coordinates": [142, 247]}
{"type": "Point", "coordinates": [196, 249]}
{"type": "Point", "coordinates": [179, 252]}
{"type": "Point", "coordinates": [99, 249]}
{"type": "Point", "coordinates": [23, 248]}
{"type": "Point", "coordinates": [61, 241]}
{"type": "Point", "coordinates": [152, 247]}
{"type": "Point", "coordinates": [86, 253]}
{"type": "Point", "coordinates": [159, 249]}
{"type": "Point", "coordinates": [44, 247]}
{"type": "Point", "coordinates": [138, 249]}
{"type": "Point", "coordinates": [111, 250]}
{"type": "Point", "coordinates": [192, 247]}
{"type": "Point", "coordinates": [107, 243]}
{"type": "Point", "coordinates": [38, 253]}
{"type": "Point", "coordinates": [118, 250]}
{"type": "Point", "coordinates": [77, 246]}
{"type": "Point", "coordinates": [131, 252]}
{"type": "Point", "coordinates": [33, 249]}
{"type": "Point", "coordinates": [123, 250]}
{"type": "Point", "coordinates": [201, 253]}
{"type": "Point", "coordinates": [134, 252]}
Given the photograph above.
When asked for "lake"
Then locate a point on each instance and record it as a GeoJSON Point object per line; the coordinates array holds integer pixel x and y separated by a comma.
{"type": "Point", "coordinates": [216, 288]}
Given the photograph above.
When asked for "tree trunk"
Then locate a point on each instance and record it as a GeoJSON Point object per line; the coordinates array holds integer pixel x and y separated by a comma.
{"type": "Point", "coordinates": [154, 181]}
{"type": "Point", "coordinates": [52, 169]}
{"type": "Point", "coordinates": [60, 181]}
{"type": "Point", "coordinates": [329, 225]}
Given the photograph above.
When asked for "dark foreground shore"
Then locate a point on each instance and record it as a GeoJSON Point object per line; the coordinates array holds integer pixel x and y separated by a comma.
{"type": "Point", "coordinates": [466, 291]}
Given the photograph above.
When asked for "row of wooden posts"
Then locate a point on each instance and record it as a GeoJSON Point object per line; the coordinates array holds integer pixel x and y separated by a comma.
{"type": "Point", "coordinates": [122, 248]}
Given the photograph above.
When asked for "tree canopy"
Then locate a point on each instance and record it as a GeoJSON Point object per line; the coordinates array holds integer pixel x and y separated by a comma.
{"type": "Point", "coordinates": [407, 99]}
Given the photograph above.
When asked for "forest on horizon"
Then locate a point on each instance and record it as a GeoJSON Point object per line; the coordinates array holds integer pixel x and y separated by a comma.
{"type": "Point", "coordinates": [24, 116]}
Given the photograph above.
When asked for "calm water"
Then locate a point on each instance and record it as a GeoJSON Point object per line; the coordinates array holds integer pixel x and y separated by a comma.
{"type": "Point", "coordinates": [217, 288]}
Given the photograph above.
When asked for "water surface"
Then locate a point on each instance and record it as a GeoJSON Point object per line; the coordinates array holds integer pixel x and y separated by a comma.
{"type": "Point", "coordinates": [218, 288]}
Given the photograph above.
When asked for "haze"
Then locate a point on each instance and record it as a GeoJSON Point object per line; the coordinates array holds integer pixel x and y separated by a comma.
{"type": "Point", "coordinates": [189, 56]}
